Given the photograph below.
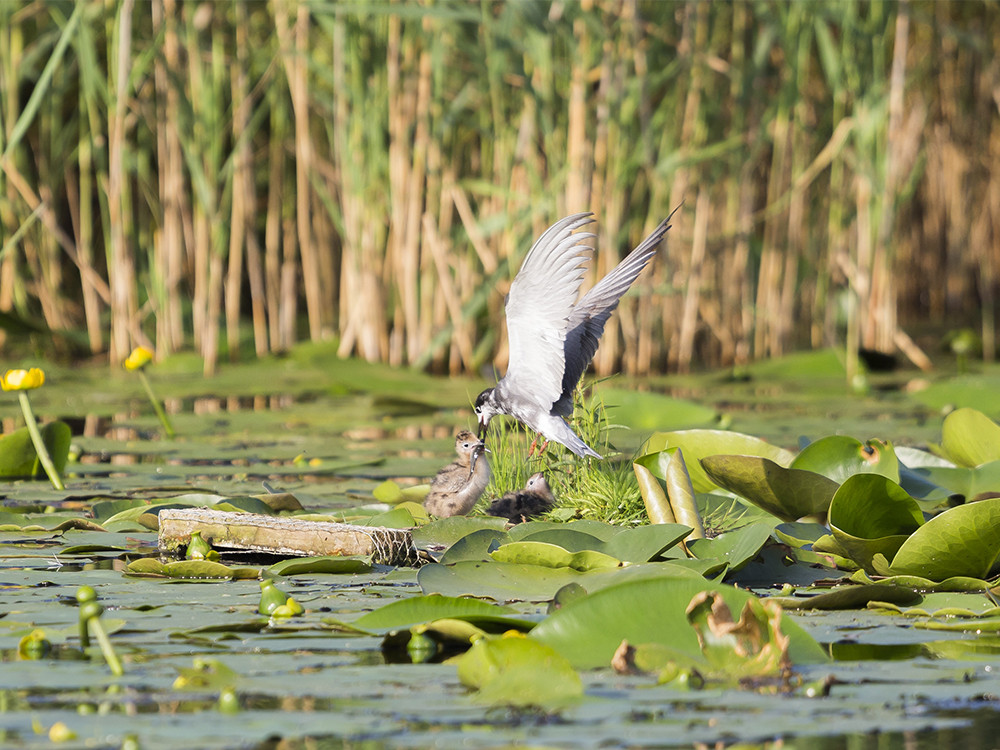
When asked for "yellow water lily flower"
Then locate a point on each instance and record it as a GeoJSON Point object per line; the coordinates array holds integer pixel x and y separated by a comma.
{"type": "Point", "coordinates": [139, 358]}
{"type": "Point", "coordinates": [22, 380]}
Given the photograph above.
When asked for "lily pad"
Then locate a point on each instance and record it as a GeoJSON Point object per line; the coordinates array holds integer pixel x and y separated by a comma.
{"type": "Point", "coordinates": [645, 412]}
{"type": "Point", "coordinates": [17, 452]}
{"type": "Point", "coordinates": [312, 565]}
{"type": "Point", "coordinates": [838, 456]}
{"type": "Point", "coordinates": [872, 515]}
{"type": "Point", "coordinates": [589, 630]}
{"type": "Point", "coordinates": [420, 609]}
{"type": "Point", "coordinates": [789, 494]}
{"type": "Point", "coordinates": [698, 444]}
{"type": "Point", "coordinates": [970, 438]}
{"type": "Point", "coordinates": [519, 671]}
{"type": "Point", "coordinates": [736, 548]}
{"type": "Point", "coordinates": [535, 583]}
{"type": "Point", "coordinates": [962, 541]}
{"type": "Point", "coordinates": [553, 556]}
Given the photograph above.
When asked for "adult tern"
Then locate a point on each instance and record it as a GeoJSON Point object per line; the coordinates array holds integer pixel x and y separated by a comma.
{"type": "Point", "coordinates": [553, 335]}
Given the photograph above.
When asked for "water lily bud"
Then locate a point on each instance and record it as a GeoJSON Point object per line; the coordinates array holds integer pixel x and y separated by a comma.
{"type": "Point", "coordinates": [85, 594]}
{"type": "Point", "coordinates": [90, 611]}
{"type": "Point", "coordinates": [271, 597]}
{"type": "Point", "coordinates": [22, 380]}
{"type": "Point", "coordinates": [139, 358]}
{"type": "Point", "coordinates": [421, 648]}
{"type": "Point", "coordinates": [228, 703]}
{"type": "Point", "coordinates": [198, 548]}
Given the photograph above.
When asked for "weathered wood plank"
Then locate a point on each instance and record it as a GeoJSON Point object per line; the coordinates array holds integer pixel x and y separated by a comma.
{"type": "Point", "coordinates": [285, 536]}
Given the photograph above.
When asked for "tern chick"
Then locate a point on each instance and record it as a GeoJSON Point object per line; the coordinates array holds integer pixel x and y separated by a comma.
{"type": "Point", "coordinates": [553, 336]}
{"type": "Point", "coordinates": [536, 498]}
{"type": "Point", "coordinates": [457, 487]}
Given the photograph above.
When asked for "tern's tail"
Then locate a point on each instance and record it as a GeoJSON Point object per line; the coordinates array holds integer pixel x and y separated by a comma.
{"type": "Point", "coordinates": [558, 430]}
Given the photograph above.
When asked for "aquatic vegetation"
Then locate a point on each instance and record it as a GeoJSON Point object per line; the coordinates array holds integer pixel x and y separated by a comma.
{"type": "Point", "coordinates": [572, 629]}
{"type": "Point", "coordinates": [23, 381]}
{"type": "Point", "coordinates": [136, 362]}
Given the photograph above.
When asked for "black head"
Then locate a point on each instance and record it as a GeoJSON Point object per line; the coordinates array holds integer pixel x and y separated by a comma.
{"type": "Point", "coordinates": [485, 409]}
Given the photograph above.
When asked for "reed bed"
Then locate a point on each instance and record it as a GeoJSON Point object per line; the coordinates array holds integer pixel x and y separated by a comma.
{"type": "Point", "coordinates": [237, 177]}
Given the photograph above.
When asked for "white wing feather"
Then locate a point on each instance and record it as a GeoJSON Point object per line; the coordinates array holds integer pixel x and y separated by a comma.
{"type": "Point", "coordinates": [539, 305]}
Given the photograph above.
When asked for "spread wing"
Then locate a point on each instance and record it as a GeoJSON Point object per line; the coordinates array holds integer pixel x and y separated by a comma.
{"type": "Point", "coordinates": [538, 309]}
{"type": "Point", "coordinates": [586, 322]}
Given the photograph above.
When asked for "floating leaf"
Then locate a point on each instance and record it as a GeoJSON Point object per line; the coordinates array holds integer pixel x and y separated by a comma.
{"type": "Point", "coordinates": [850, 597]}
{"type": "Point", "coordinates": [962, 541]}
{"type": "Point", "coordinates": [17, 453]}
{"type": "Point", "coordinates": [736, 548]}
{"type": "Point", "coordinates": [871, 515]}
{"type": "Point", "coordinates": [567, 538]}
{"type": "Point", "coordinates": [553, 556]}
{"type": "Point", "coordinates": [789, 494]}
{"type": "Point", "coordinates": [535, 583]}
{"type": "Point", "coordinates": [519, 671]}
{"type": "Point", "coordinates": [421, 609]}
{"type": "Point", "coordinates": [475, 546]}
{"type": "Point", "coordinates": [644, 411]}
{"type": "Point", "coordinates": [447, 531]}
{"type": "Point", "coordinates": [837, 457]}
{"type": "Point", "coordinates": [643, 543]}
{"type": "Point", "coordinates": [698, 444]}
{"type": "Point", "coordinates": [970, 438]}
{"type": "Point", "coordinates": [312, 565]}
{"type": "Point", "coordinates": [588, 631]}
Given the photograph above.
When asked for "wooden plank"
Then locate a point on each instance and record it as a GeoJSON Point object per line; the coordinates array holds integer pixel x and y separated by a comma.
{"type": "Point", "coordinates": [285, 535]}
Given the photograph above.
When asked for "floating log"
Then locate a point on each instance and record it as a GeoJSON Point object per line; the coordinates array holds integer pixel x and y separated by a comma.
{"type": "Point", "coordinates": [285, 535]}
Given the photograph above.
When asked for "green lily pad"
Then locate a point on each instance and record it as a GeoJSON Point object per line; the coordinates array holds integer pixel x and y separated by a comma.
{"type": "Point", "coordinates": [789, 494]}
{"type": "Point", "coordinates": [644, 543]}
{"type": "Point", "coordinates": [519, 671]}
{"type": "Point", "coordinates": [400, 517]}
{"type": "Point", "coordinates": [182, 569]}
{"type": "Point", "coordinates": [17, 452]}
{"type": "Point", "coordinates": [598, 529]}
{"type": "Point", "coordinates": [970, 438]}
{"type": "Point", "coordinates": [644, 411]}
{"type": "Point", "coordinates": [475, 546]}
{"type": "Point", "coordinates": [837, 457]}
{"type": "Point", "coordinates": [553, 556]}
{"type": "Point", "coordinates": [798, 534]}
{"type": "Point", "coordinates": [962, 541]}
{"type": "Point", "coordinates": [953, 584]}
{"type": "Point", "coordinates": [736, 548]}
{"type": "Point", "coordinates": [311, 565]}
{"type": "Point", "coordinates": [535, 583]}
{"type": "Point", "coordinates": [589, 630]}
{"type": "Point", "coordinates": [946, 604]}
{"type": "Point", "coordinates": [872, 515]}
{"type": "Point", "coordinates": [699, 444]}
{"type": "Point", "coordinates": [447, 531]}
{"type": "Point", "coordinates": [568, 539]}
{"type": "Point", "coordinates": [851, 597]}
{"type": "Point", "coordinates": [420, 609]}
{"type": "Point", "coordinates": [391, 493]}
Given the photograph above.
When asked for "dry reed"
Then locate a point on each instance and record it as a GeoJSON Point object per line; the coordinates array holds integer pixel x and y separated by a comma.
{"type": "Point", "coordinates": [375, 173]}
